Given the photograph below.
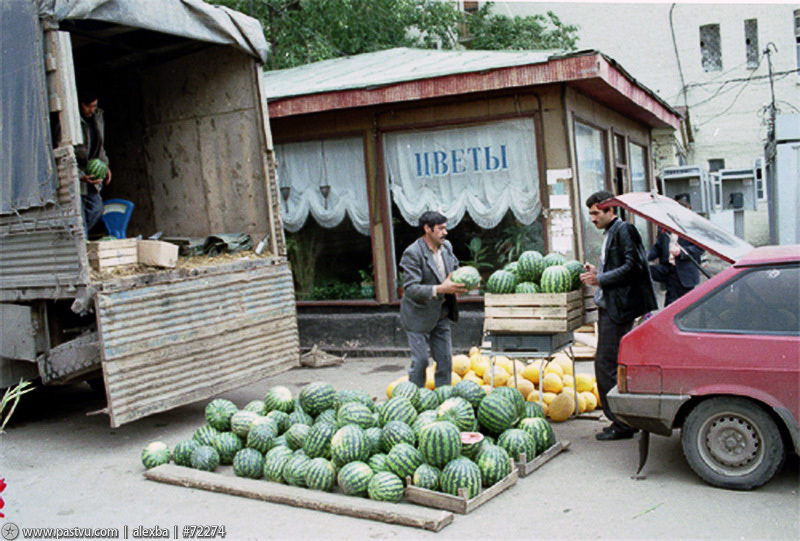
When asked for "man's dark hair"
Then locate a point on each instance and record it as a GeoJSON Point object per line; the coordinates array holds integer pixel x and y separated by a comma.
{"type": "Point", "coordinates": [598, 197]}
{"type": "Point", "coordinates": [87, 95]}
{"type": "Point", "coordinates": [431, 218]}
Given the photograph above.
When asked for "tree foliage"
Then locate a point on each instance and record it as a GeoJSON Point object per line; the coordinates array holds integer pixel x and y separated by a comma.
{"type": "Point", "coordinates": [304, 31]}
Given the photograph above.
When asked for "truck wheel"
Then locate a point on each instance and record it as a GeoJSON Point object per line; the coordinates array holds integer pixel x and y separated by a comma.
{"type": "Point", "coordinates": [732, 442]}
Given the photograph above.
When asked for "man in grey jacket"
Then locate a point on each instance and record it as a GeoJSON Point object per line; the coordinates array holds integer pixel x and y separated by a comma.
{"type": "Point", "coordinates": [429, 299]}
{"type": "Point", "coordinates": [93, 146]}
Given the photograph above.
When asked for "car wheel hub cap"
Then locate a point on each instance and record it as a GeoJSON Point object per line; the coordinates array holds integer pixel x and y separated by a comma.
{"type": "Point", "coordinates": [732, 441]}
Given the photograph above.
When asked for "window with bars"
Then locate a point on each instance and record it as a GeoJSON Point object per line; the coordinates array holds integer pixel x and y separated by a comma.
{"type": "Point", "coordinates": [751, 42]}
{"type": "Point", "coordinates": [710, 47]}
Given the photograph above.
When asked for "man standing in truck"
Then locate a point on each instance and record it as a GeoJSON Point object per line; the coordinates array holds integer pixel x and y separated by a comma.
{"type": "Point", "coordinates": [624, 292]}
{"type": "Point", "coordinates": [93, 129]}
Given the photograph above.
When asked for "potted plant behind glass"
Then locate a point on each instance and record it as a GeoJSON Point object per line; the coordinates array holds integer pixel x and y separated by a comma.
{"type": "Point", "coordinates": [479, 258]}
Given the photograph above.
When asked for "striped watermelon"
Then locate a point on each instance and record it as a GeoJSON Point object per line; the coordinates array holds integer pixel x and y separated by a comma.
{"type": "Point", "coordinates": [423, 419]}
{"type": "Point", "coordinates": [248, 463]}
{"type": "Point", "coordinates": [97, 168]}
{"type": "Point", "coordinates": [256, 406]}
{"type": "Point", "coordinates": [526, 287]}
{"type": "Point", "coordinates": [428, 400]}
{"type": "Point", "coordinates": [409, 390]}
{"type": "Point", "coordinates": [241, 423]}
{"type": "Point", "coordinates": [260, 437]}
{"type": "Point", "coordinates": [494, 464]}
{"type": "Point", "coordinates": [426, 476]}
{"type": "Point", "coordinates": [513, 394]}
{"type": "Point", "coordinates": [374, 435]}
{"type": "Point", "coordinates": [219, 412]}
{"type": "Point", "coordinates": [403, 460]}
{"type": "Point", "coordinates": [471, 443]}
{"type": "Point", "coordinates": [155, 454]}
{"type": "Point", "coordinates": [556, 279]}
{"type": "Point", "coordinates": [320, 474]}
{"type": "Point", "coordinates": [554, 258]}
{"type": "Point", "coordinates": [274, 462]}
{"type": "Point", "coordinates": [575, 269]}
{"type": "Point", "coordinates": [469, 391]}
{"type": "Point", "coordinates": [227, 445]}
{"type": "Point", "coordinates": [317, 397]}
{"type": "Point", "coordinates": [501, 281]}
{"type": "Point", "coordinates": [349, 444]}
{"type": "Point", "coordinates": [296, 435]}
{"type": "Point", "coordinates": [182, 453]}
{"type": "Point", "coordinates": [354, 413]}
{"type": "Point", "coordinates": [205, 434]}
{"type": "Point", "coordinates": [461, 473]}
{"type": "Point", "coordinates": [396, 432]}
{"type": "Point", "coordinates": [398, 408]}
{"type": "Point", "coordinates": [469, 276]}
{"type": "Point", "coordinates": [281, 418]}
{"type": "Point", "coordinates": [497, 413]}
{"type": "Point", "coordinates": [439, 443]}
{"type": "Point", "coordinates": [354, 477]}
{"type": "Point", "coordinates": [385, 487]}
{"type": "Point", "coordinates": [512, 268]}
{"type": "Point", "coordinates": [357, 395]}
{"type": "Point", "coordinates": [204, 458]}
{"type": "Point", "coordinates": [279, 399]}
{"type": "Point", "coordinates": [318, 440]}
{"type": "Point", "coordinates": [443, 393]}
{"type": "Point", "coordinates": [458, 411]}
{"type": "Point", "coordinates": [516, 442]}
{"type": "Point", "coordinates": [280, 441]}
{"type": "Point", "coordinates": [542, 432]}
{"type": "Point", "coordinates": [294, 471]}
{"type": "Point", "coordinates": [533, 409]}
{"type": "Point", "coordinates": [530, 266]}
{"type": "Point", "coordinates": [327, 416]}
{"type": "Point", "coordinates": [378, 462]}
{"type": "Point", "coordinates": [298, 416]}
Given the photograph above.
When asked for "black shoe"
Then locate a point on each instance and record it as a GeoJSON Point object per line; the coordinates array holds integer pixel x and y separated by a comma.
{"type": "Point", "coordinates": [612, 432]}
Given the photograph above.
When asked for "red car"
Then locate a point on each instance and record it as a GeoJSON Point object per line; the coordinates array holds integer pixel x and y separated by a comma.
{"type": "Point", "coordinates": [722, 363]}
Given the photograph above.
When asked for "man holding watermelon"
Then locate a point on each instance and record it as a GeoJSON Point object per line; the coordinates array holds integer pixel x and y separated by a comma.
{"type": "Point", "coordinates": [625, 292]}
{"type": "Point", "coordinates": [429, 299]}
{"type": "Point", "coordinates": [92, 148]}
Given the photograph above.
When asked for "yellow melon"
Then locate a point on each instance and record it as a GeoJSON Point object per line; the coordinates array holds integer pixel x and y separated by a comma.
{"type": "Point", "coordinates": [522, 385]}
{"type": "Point", "coordinates": [545, 408]}
{"type": "Point", "coordinates": [548, 397]}
{"type": "Point", "coordinates": [596, 393]}
{"type": "Point", "coordinates": [454, 378]}
{"type": "Point", "coordinates": [480, 364]}
{"type": "Point", "coordinates": [471, 376]}
{"type": "Point", "coordinates": [583, 382]}
{"type": "Point", "coordinates": [568, 380]}
{"type": "Point", "coordinates": [461, 364]}
{"type": "Point", "coordinates": [552, 383]}
{"type": "Point", "coordinates": [533, 396]}
{"type": "Point", "coordinates": [500, 376]}
{"type": "Point", "coordinates": [487, 388]}
{"type": "Point", "coordinates": [474, 350]}
{"type": "Point", "coordinates": [562, 407]}
{"type": "Point", "coordinates": [591, 401]}
{"type": "Point", "coordinates": [531, 372]}
{"type": "Point", "coordinates": [581, 401]}
{"type": "Point", "coordinates": [429, 379]}
{"type": "Point", "coordinates": [392, 385]}
{"type": "Point", "coordinates": [554, 368]}
{"type": "Point", "coordinates": [505, 362]}
{"type": "Point", "coordinates": [564, 362]}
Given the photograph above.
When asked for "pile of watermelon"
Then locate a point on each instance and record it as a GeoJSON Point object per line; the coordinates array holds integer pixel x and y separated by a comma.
{"type": "Point", "coordinates": [454, 437]}
{"type": "Point", "coordinates": [536, 273]}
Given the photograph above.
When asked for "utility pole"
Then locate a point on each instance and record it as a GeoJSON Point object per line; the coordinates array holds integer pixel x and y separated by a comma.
{"type": "Point", "coordinates": [772, 110]}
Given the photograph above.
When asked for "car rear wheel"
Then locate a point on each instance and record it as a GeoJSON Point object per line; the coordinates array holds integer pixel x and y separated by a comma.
{"type": "Point", "coordinates": [732, 442]}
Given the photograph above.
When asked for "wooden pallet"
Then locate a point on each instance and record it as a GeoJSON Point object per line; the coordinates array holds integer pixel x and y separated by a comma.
{"type": "Point", "coordinates": [533, 312]}
{"type": "Point", "coordinates": [105, 254]}
{"type": "Point", "coordinates": [459, 504]}
{"type": "Point", "coordinates": [526, 467]}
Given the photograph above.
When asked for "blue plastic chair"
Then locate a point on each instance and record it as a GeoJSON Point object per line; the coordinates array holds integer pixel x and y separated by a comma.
{"type": "Point", "coordinates": [116, 215]}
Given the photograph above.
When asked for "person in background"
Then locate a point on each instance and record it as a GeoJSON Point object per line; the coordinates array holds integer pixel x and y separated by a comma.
{"type": "Point", "coordinates": [625, 292]}
{"type": "Point", "coordinates": [429, 299]}
{"type": "Point", "coordinates": [93, 129]}
{"type": "Point", "coordinates": [674, 254]}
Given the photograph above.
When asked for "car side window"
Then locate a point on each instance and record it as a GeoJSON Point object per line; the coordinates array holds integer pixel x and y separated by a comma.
{"type": "Point", "coordinates": [761, 301]}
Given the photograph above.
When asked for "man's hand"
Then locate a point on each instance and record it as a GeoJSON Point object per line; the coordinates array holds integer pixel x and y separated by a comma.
{"type": "Point", "coordinates": [89, 179]}
{"type": "Point", "coordinates": [675, 251]}
{"type": "Point", "coordinates": [108, 177]}
{"type": "Point", "coordinates": [590, 276]}
{"type": "Point", "coordinates": [449, 287]}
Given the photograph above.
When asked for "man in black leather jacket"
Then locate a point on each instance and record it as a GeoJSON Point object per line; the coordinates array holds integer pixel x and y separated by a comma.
{"type": "Point", "coordinates": [625, 292]}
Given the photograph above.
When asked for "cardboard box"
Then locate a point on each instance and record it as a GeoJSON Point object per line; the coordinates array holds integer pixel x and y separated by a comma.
{"type": "Point", "coordinates": [157, 253]}
{"type": "Point", "coordinates": [104, 254]}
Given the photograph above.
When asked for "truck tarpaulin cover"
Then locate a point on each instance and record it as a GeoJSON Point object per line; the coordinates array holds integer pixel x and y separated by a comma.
{"type": "Point", "coordinates": [193, 19]}
{"type": "Point", "coordinates": [27, 169]}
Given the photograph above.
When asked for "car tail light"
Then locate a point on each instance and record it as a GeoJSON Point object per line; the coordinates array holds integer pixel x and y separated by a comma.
{"type": "Point", "coordinates": [622, 378]}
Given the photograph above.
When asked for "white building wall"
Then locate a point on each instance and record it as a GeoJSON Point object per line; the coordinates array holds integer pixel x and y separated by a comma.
{"type": "Point", "coordinates": [728, 109]}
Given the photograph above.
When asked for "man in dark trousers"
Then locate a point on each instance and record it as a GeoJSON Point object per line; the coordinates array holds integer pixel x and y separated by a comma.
{"type": "Point", "coordinates": [429, 299]}
{"type": "Point", "coordinates": [625, 292]}
{"type": "Point", "coordinates": [675, 268]}
{"type": "Point", "coordinates": [93, 129]}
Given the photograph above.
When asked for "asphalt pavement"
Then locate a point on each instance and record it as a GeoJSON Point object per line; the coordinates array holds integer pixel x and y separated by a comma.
{"type": "Point", "coordinates": [65, 469]}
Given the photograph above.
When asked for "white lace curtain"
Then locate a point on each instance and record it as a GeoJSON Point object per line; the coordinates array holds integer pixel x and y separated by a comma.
{"type": "Point", "coordinates": [326, 178]}
{"type": "Point", "coordinates": [484, 170]}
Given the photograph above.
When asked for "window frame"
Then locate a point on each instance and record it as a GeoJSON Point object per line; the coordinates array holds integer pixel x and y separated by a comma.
{"type": "Point", "coordinates": [710, 59]}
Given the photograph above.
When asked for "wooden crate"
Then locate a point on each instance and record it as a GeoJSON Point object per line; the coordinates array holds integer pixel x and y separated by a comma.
{"type": "Point", "coordinates": [527, 467]}
{"type": "Point", "coordinates": [157, 253]}
{"type": "Point", "coordinates": [459, 504]}
{"type": "Point", "coordinates": [104, 254]}
{"type": "Point", "coordinates": [533, 312]}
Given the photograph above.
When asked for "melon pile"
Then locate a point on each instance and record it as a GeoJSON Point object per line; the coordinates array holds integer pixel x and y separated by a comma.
{"type": "Point", "coordinates": [455, 437]}
{"type": "Point", "coordinates": [536, 273]}
{"type": "Point", "coordinates": [558, 383]}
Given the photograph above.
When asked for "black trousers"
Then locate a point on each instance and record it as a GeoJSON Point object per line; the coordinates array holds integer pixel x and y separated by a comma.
{"type": "Point", "coordinates": [605, 359]}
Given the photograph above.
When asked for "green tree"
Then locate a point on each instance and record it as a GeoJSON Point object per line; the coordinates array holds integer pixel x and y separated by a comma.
{"type": "Point", "coordinates": [304, 31]}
